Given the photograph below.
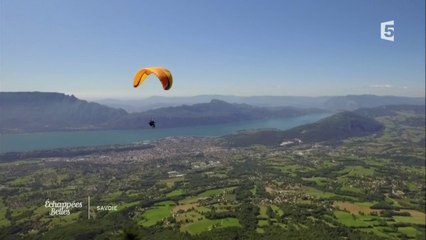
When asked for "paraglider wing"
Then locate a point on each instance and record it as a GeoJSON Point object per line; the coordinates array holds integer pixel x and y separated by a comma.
{"type": "Point", "coordinates": [162, 74]}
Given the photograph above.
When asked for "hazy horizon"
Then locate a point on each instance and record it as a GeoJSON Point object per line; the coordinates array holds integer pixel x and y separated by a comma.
{"type": "Point", "coordinates": [233, 95]}
{"type": "Point", "coordinates": [106, 98]}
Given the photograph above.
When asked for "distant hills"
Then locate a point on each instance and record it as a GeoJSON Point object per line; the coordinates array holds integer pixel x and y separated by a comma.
{"type": "Point", "coordinates": [391, 110]}
{"type": "Point", "coordinates": [37, 111]}
{"type": "Point", "coordinates": [42, 111]}
{"type": "Point", "coordinates": [213, 112]}
{"type": "Point", "coordinates": [334, 128]}
{"type": "Point", "coordinates": [339, 126]}
{"type": "Point", "coordinates": [353, 102]}
{"type": "Point", "coordinates": [329, 103]}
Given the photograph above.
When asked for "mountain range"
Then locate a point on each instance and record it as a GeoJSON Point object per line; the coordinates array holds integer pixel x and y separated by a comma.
{"type": "Point", "coordinates": [329, 103]}
{"type": "Point", "coordinates": [213, 112]}
{"type": "Point", "coordinates": [42, 111]}
{"type": "Point", "coordinates": [340, 126]}
{"type": "Point", "coordinates": [36, 111]}
{"type": "Point", "coordinates": [334, 128]}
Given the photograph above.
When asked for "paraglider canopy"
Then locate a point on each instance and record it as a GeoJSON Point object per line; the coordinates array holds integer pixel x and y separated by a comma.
{"type": "Point", "coordinates": [163, 74]}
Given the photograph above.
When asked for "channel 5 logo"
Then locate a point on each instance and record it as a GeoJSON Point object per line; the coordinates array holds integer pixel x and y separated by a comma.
{"type": "Point", "coordinates": [387, 30]}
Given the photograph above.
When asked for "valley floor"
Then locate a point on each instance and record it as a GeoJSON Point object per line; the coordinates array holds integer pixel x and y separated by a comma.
{"type": "Point", "coordinates": [200, 188]}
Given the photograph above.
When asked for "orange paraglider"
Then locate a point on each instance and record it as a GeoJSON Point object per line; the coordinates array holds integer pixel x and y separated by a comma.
{"type": "Point", "coordinates": [163, 74]}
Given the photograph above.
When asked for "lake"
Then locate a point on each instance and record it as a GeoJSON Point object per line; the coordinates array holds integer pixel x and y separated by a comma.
{"type": "Point", "coordinates": [50, 140]}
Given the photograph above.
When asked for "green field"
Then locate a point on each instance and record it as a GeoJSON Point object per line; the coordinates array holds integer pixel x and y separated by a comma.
{"type": "Point", "coordinates": [277, 210]}
{"type": "Point", "coordinates": [410, 231]}
{"type": "Point", "coordinates": [262, 211]}
{"type": "Point", "coordinates": [175, 193]}
{"type": "Point", "coordinates": [262, 223]}
{"type": "Point", "coordinates": [207, 225]}
{"type": "Point", "coordinates": [157, 213]}
{"type": "Point", "coordinates": [127, 205]}
{"type": "Point", "coordinates": [113, 196]}
{"type": "Point", "coordinates": [357, 171]}
{"type": "Point", "coordinates": [354, 220]}
{"type": "Point", "coordinates": [413, 219]}
{"type": "Point", "coordinates": [318, 193]}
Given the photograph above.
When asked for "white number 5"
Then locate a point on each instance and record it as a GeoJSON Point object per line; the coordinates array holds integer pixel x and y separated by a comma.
{"type": "Point", "coordinates": [387, 30]}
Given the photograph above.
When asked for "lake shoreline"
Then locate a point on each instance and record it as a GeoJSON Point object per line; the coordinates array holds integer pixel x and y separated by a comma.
{"type": "Point", "coordinates": [26, 142]}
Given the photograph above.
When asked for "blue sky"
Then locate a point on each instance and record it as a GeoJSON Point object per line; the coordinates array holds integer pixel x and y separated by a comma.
{"type": "Point", "coordinates": [92, 49]}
